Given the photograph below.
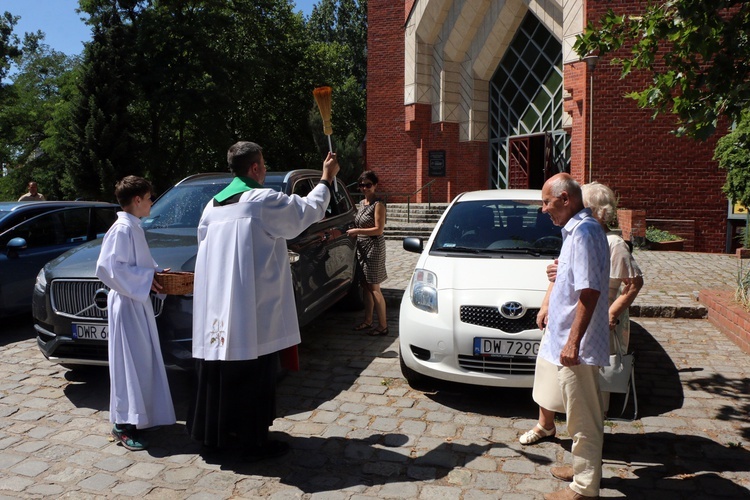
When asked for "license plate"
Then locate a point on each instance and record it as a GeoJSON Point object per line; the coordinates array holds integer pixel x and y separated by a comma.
{"type": "Point", "coordinates": [89, 331]}
{"type": "Point", "coordinates": [498, 347]}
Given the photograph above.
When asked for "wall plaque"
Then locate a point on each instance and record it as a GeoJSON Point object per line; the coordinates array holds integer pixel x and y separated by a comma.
{"type": "Point", "coordinates": [437, 164]}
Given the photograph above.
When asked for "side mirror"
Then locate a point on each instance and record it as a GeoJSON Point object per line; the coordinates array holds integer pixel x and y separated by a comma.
{"type": "Point", "coordinates": [14, 245]}
{"type": "Point", "coordinates": [413, 244]}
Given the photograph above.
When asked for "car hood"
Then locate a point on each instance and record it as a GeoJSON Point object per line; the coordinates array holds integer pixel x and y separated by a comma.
{"type": "Point", "coordinates": [488, 273]}
{"type": "Point", "coordinates": [171, 248]}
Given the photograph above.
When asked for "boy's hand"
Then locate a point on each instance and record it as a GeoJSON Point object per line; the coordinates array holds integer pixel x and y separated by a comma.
{"type": "Point", "coordinates": [155, 286]}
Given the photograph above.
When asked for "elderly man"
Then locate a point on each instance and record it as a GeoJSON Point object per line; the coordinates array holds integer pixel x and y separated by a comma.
{"type": "Point", "coordinates": [33, 194]}
{"type": "Point", "coordinates": [575, 314]}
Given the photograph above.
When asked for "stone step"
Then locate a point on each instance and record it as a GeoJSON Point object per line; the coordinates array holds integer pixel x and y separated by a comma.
{"type": "Point", "coordinates": [416, 212]}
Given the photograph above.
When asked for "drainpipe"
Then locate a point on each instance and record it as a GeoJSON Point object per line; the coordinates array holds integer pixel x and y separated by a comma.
{"type": "Point", "coordinates": [591, 61]}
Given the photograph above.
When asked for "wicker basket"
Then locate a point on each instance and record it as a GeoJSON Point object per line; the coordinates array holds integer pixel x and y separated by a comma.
{"type": "Point", "coordinates": [175, 283]}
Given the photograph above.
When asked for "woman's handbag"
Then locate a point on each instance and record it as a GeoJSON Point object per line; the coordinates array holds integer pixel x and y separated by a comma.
{"type": "Point", "coordinates": [619, 376]}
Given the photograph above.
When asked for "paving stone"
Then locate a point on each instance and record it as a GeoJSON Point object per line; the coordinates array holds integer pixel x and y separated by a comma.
{"type": "Point", "coordinates": [98, 482]}
{"type": "Point", "coordinates": [132, 488]}
{"type": "Point", "coordinates": [145, 470]}
{"type": "Point", "coordinates": [45, 490]}
{"type": "Point", "coordinates": [30, 468]}
{"type": "Point", "coordinates": [15, 483]}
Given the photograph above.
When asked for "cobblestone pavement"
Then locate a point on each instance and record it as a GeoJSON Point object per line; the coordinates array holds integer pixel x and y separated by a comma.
{"type": "Point", "coordinates": [357, 430]}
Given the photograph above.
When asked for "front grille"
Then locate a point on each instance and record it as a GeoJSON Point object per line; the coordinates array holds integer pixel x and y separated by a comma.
{"type": "Point", "coordinates": [501, 365]}
{"type": "Point", "coordinates": [490, 317]}
{"type": "Point", "coordinates": [75, 299]}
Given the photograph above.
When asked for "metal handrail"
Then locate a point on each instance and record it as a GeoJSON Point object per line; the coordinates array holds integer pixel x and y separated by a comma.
{"type": "Point", "coordinates": [407, 194]}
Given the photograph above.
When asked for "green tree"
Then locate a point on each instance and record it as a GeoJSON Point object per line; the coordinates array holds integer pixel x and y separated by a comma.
{"type": "Point", "coordinates": [9, 44]}
{"type": "Point", "coordinates": [338, 51]}
{"type": "Point", "coordinates": [697, 52]}
{"type": "Point", "coordinates": [194, 76]}
{"type": "Point", "coordinates": [33, 94]}
{"type": "Point", "coordinates": [99, 140]}
{"type": "Point", "coordinates": [733, 153]}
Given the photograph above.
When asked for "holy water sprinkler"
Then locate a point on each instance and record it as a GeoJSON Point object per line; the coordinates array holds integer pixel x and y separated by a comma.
{"type": "Point", "coordinates": [322, 97]}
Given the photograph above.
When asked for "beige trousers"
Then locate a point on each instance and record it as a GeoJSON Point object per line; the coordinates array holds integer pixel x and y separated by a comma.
{"type": "Point", "coordinates": [583, 408]}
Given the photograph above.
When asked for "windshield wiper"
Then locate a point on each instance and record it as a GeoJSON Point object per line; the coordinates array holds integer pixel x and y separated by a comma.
{"type": "Point", "coordinates": [525, 250]}
{"type": "Point", "coordinates": [459, 249]}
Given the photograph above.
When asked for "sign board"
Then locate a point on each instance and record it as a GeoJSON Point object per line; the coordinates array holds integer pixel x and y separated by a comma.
{"type": "Point", "coordinates": [737, 211]}
{"type": "Point", "coordinates": [437, 163]}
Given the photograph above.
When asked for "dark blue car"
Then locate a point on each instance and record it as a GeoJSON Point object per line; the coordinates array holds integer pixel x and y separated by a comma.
{"type": "Point", "coordinates": [34, 232]}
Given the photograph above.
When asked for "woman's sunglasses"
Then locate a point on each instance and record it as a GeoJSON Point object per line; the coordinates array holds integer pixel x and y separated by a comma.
{"type": "Point", "coordinates": [365, 185]}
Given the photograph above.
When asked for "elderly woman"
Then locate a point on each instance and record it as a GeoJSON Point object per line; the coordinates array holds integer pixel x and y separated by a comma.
{"type": "Point", "coordinates": [625, 281]}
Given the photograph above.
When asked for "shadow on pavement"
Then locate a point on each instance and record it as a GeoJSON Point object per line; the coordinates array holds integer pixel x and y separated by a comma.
{"type": "Point", "coordinates": [315, 464]}
{"type": "Point", "coordinates": [736, 390]}
{"type": "Point", "coordinates": [665, 463]}
{"type": "Point", "coordinates": [17, 328]}
{"type": "Point", "coordinates": [656, 376]}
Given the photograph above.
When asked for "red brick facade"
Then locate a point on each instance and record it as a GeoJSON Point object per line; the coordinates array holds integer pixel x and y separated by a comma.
{"type": "Point", "coordinates": [670, 178]}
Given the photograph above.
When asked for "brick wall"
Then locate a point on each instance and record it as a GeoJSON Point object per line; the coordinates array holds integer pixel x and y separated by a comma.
{"type": "Point", "coordinates": [390, 149]}
{"type": "Point", "coordinates": [727, 316]}
{"type": "Point", "coordinates": [648, 168]}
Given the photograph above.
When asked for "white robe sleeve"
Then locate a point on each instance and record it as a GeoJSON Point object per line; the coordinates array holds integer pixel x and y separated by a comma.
{"type": "Point", "coordinates": [287, 216]}
{"type": "Point", "coordinates": [116, 265]}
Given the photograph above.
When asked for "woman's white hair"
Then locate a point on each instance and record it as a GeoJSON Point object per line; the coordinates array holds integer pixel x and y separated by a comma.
{"type": "Point", "coordinates": [601, 200]}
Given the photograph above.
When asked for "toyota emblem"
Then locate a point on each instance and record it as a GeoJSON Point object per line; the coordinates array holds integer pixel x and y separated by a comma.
{"type": "Point", "coordinates": [512, 310]}
{"type": "Point", "coordinates": [100, 299]}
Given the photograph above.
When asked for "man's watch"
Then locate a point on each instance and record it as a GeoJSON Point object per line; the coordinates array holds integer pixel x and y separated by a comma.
{"type": "Point", "coordinates": [325, 183]}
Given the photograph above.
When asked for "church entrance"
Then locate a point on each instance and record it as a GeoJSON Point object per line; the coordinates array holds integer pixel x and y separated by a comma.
{"type": "Point", "coordinates": [527, 142]}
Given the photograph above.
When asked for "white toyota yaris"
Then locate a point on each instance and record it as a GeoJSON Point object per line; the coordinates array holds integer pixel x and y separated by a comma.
{"type": "Point", "coordinates": [469, 312]}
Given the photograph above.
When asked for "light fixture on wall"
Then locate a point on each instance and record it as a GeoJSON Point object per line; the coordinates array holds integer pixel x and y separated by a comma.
{"type": "Point", "coordinates": [591, 61]}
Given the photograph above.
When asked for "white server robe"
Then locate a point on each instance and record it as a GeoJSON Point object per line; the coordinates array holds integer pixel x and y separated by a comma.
{"type": "Point", "coordinates": [139, 390]}
{"type": "Point", "coordinates": [243, 304]}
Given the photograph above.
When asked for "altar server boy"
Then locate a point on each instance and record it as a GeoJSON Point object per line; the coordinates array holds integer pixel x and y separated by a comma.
{"type": "Point", "coordinates": [139, 394]}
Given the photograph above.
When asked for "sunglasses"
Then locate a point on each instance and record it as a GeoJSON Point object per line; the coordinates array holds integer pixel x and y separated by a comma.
{"type": "Point", "coordinates": [365, 185]}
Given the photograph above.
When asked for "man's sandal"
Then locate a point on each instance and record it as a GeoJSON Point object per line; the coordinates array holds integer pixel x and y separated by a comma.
{"type": "Point", "coordinates": [536, 434]}
{"type": "Point", "coordinates": [362, 326]}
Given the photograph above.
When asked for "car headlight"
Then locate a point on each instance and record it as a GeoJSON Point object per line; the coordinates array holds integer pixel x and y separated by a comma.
{"type": "Point", "coordinates": [424, 290]}
{"type": "Point", "coordinates": [41, 282]}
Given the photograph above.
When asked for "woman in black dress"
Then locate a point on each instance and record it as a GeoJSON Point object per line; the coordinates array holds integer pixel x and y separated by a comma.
{"type": "Point", "coordinates": [370, 222]}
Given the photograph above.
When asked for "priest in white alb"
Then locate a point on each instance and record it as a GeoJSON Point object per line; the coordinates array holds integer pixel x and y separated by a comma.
{"type": "Point", "coordinates": [244, 310]}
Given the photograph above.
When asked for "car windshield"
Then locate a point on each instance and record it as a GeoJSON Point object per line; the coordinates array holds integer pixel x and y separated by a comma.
{"type": "Point", "coordinates": [498, 226]}
{"type": "Point", "coordinates": [183, 205]}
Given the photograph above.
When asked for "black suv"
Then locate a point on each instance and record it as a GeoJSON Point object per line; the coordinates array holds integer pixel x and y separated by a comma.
{"type": "Point", "coordinates": [70, 303]}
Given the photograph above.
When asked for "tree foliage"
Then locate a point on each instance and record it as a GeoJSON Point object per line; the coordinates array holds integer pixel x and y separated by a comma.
{"type": "Point", "coordinates": [697, 52]}
{"type": "Point", "coordinates": [338, 51]}
{"type": "Point", "coordinates": [34, 94]}
{"type": "Point", "coordinates": [733, 153]}
{"type": "Point", "coordinates": [165, 86]}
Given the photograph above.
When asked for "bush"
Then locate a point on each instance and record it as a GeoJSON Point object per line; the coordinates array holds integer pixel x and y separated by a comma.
{"type": "Point", "coordinates": [659, 235]}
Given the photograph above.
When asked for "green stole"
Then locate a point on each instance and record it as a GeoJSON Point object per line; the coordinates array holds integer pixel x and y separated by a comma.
{"type": "Point", "coordinates": [237, 186]}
